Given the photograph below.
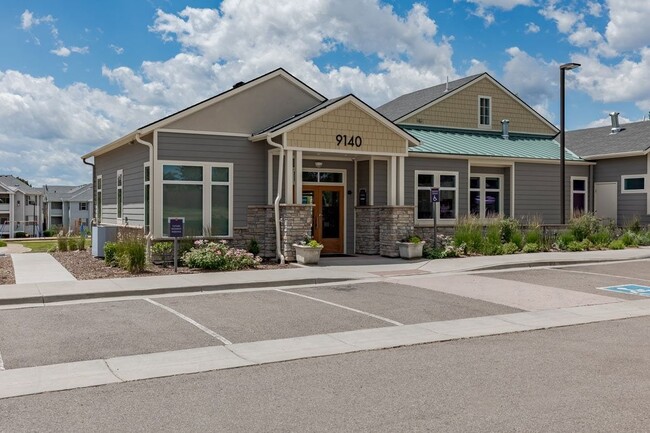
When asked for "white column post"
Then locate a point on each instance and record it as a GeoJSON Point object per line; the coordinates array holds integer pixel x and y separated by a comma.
{"type": "Point", "coordinates": [400, 181]}
{"type": "Point", "coordinates": [11, 215]}
{"type": "Point", "coordinates": [289, 177]}
{"type": "Point", "coordinates": [298, 176]}
{"type": "Point", "coordinates": [392, 190]}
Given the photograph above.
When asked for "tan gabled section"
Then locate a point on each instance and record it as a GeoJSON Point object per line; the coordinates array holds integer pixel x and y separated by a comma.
{"type": "Point", "coordinates": [348, 126]}
{"type": "Point", "coordinates": [460, 108]}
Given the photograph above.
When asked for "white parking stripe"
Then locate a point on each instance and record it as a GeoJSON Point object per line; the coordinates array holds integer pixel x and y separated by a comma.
{"type": "Point", "coordinates": [603, 275]}
{"type": "Point", "coordinates": [2, 364]}
{"type": "Point", "coordinates": [342, 306]}
{"type": "Point", "coordinates": [190, 321]}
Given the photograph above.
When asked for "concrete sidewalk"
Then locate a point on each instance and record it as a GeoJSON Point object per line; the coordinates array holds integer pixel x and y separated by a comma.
{"type": "Point", "coordinates": [334, 269]}
{"type": "Point", "coordinates": [39, 268]}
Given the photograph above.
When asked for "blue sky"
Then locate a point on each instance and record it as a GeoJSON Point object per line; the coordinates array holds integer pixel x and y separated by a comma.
{"type": "Point", "coordinates": [77, 74]}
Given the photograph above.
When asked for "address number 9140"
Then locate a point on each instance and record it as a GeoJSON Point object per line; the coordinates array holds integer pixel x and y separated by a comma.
{"type": "Point", "coordinates": [349, 140]}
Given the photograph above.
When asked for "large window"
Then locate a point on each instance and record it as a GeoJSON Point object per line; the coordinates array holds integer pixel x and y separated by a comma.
{"type": "Point", "coordinates": [484, 111]}
{"type": "Point", "coordinates": [120, 195]}
{"type": "Point", "coordinates": [579, 195]}
{"type": "Point", "coordinates": [486, 195]}
{"type": "Point", "coordinates": [99, 199]}
{"type": "Point", "coordinates": [200, 193]}
{"type": "Point", "coordinates": [447, 208]}
{"type": "Point", "coordinates": [632, 183]}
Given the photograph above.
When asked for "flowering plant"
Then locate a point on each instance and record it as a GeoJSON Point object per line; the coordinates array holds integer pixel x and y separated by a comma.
{"type": "Point", "coordinates": [218, 256]}
{"type": "Point", "coordinates": [310, 242]}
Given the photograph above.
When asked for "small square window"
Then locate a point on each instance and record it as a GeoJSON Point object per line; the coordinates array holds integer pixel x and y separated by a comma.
{"type": "Point", "coordinates": [220, 174]}
{"type": "Point", "coordinates": [579, 185]}
{"type": "Point", "coordinates": [425, 180]}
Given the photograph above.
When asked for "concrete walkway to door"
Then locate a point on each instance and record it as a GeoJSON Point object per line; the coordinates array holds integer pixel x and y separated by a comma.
{"type": "Point", "coordinates": [39, 268]}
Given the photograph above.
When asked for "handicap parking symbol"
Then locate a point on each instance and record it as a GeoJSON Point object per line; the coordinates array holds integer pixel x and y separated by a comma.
{"type": "Point", "coordinates": [629, 289]}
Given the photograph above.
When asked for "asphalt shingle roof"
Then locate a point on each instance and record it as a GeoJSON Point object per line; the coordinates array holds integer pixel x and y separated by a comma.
{"type": "Point", "coordinates": [410, 102]}
{"type": "Point", "coordinates": [598, 141]}
{"type": "Point", "coordinates": [456, 142]}
{"type": "Point", "coordinates": [17, 184]}
{"type": "Point", "coordinates": [68, 193]}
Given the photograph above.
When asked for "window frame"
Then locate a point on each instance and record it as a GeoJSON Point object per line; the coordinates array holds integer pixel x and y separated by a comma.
{"type": "Point", "coordinates": [634, 191]}
{"type": "Point", "coordinates": [119, 195]}
{"type": "Point", "coordinates": [489, 124]}
{"type": "Point", "coordinates": [206, 197]}
{"type": "Point", "coordinates": [428, 222]}
{"type": "Point", "coordinates": [482, 189]}
{"type": "Point", "coordinates": [585, 192]}
{"type": "Point", "coordinates": [85, 206]}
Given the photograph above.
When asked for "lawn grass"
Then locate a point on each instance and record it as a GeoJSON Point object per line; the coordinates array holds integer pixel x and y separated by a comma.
{"type": "Point", "coordinates": [37, 246]}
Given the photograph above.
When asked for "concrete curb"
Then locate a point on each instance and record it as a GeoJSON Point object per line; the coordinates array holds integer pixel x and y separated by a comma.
{"type": "Point", "coordinates": [83, 374]}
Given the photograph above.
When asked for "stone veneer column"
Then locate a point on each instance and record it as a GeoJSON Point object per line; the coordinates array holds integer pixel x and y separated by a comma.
{"type": "Point", "coordinates": [295, 224]}
{"type": "Point", "coordinates": [395, 223]}
{"type": "Point", "coordinates": [367, 229]}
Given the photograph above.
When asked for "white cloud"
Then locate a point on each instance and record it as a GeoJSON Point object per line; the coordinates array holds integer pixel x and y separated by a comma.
{"type": "Point", "coordinates": [564, 18]}
{"type": "Point", "coordinates": [484, 7]}
{"type": "Point", "coordinates": [118, 50]}
{"type": "Point", "coordinates": [478, 67]}
{"type": "Point", "coordinates": [27, 20]}
{"type": "Point", "coordinates": [594, 8]}
{"type": "Point", "coordinates": [585, 36]}
{"type": "Point", "coordinates": [532, 28]}
{"type": "Point", "coordinates": [628, 27]}
{"type": "Point", "coordinates": [534, 80]}
{"type": "Point", "coordinates": [61, 52]}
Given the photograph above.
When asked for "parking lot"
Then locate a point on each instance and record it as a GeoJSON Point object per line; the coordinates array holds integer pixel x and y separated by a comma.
{"type": "Point", "coordinates": [96, 330]}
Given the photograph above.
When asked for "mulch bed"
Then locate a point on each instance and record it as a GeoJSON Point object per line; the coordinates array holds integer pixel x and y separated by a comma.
{"type": "Point", "coordinates": [84, 266]}
{"type": "Point", "coordinates": [7, 270]}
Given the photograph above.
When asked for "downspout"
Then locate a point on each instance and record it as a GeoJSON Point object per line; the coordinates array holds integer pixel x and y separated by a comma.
{"type": "Point", "coordinates": [278, 197]}
{"type": "Point", "coordinates": [149, 236]}
{"type": "Point", "coordinates": [92, 220]}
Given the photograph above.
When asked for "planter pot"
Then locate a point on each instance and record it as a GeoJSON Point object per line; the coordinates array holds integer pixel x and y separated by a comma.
{"type": "Point", "coordinates": [409, 250]}
{"type": "Point", "coordinates": [307, 255]}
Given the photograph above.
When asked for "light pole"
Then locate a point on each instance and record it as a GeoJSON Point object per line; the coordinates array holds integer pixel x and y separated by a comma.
{"type": "Point", "coordinates": [563, 68]}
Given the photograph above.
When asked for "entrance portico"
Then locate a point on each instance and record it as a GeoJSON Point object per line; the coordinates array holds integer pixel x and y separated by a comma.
{"type": "Point", "coordinates": [338, 156]}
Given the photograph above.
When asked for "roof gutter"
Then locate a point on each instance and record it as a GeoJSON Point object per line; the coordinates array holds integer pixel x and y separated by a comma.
{"type": "Point", "coordinates": [278, 197]}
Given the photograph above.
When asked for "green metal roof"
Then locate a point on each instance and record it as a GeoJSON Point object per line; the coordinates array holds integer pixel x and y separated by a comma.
{"type": "Point", "coordinates": [458, 142]}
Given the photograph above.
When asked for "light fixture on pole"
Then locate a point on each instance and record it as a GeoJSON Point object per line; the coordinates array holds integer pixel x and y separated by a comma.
{"type": "Point", "coordinates": [563, 68]}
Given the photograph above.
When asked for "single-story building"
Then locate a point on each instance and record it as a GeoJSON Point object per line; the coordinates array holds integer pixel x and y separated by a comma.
{"type": "Point", "coordinates": [621, 173]}
{"type": "Point", "coordinates": [274, 160]}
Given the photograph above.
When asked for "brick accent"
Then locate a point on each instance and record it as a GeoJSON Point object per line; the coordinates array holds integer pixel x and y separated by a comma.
{"type": "Point", "coordinates": [295, 224]}
{"type": "Point", "coordinates": [396, 222]}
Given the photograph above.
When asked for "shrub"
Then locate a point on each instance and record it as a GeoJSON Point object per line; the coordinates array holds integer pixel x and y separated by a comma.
{"type": "Point", "coordinates": [132, 255]}
{"type": "Point", "coordinates": [644, 238]}
{"type": "Point", "coordinates": [253, 247]}
{"type": "Point", "coordinates": [432, 253]}
{"type": "Point", "coordinates": [534, 236]}
{"type": "Point", "coordinates": [72, 243]}
{"type": "Point", "coordinates": [468, 233]}
{"type": "Point", "coordinates": [50, 233]}
{"type": "Point", "coordinates": [633, 225]}
{"type": "Point", "coordinates": [412, 239]}
{"type": "Point", "coordinates": [62, 243]}
{"type": "Point", "coordinates": [564, 239]}
{"type": "Point", "coordinates": [531, 248]}
{"type": "Point", "coordinates": [3, 244]}
{"type": "Point", "coordinates": [217, 256]}
{"type": "Point", "coordinates": [616, 245]}
{"type": "Point", "coordinates": [162, 248]}
{"type": "Point", "coordinates": [584, 226]}
{"type": "Point", "coordinates": [629, 239]}
{"type": "Point", "coordinates": [575, 246]}
{"type": "Point", "coordinates": [81, 243]}
{"type": "Point", "coordinates": [601, 238]}
{"type": "Point", "coordinates": [491, 245]}
{"type": "Point", "coordinates": [20, 235]}
{"type": "Point", "coordinates": [110, 253]}
{"type": "Point", "coordinates": [509, 248]}
{"type": "Point", "coordinates": [510, 230]}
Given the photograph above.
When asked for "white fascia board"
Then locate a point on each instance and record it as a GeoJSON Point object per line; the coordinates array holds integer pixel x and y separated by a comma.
{"type": "Point", "coordinates": [496, 160]}
{"type": "Point", "coordinates": [616, 155]}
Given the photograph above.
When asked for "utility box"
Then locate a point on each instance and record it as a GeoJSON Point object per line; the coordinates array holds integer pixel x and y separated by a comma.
{"type": "Point", "coordinates": [101, 235]}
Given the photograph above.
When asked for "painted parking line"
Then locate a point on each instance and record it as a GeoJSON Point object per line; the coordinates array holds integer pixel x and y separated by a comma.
{"type": "Point", "coordinates": [600, 274]}
{"type": "Point", "coordinates": [629, 289]}
{"type": "Point", "coordinates": [393, 322]}
{"type": "Point", "coordinates": [2, 364]}
{"type": "Point", "coordinates": [208, 331]}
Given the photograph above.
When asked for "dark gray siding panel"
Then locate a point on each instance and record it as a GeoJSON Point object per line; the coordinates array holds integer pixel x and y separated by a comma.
{"type": "Point", "coordinates": [629, 205]}
{"type": "Point", "coordinates": [413, 163]}
{"type": "Point", "coordinates": [131, 159]}
{"type": "Point", "coordinates": [249, 164]}
{"type": "Point", "coordinates": [537, 189]}
{"type": "Point", "coordinates": [363, 178]}
{"type": "Point", "coordinates": [381, 183]}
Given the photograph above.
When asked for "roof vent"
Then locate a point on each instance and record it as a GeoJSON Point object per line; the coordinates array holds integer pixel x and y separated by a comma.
{"type": "Point", "coordinates": [447, 85]}
{"type": "Point", "coordinates": [616, 127]}
{"type": "Point", "coordinates": [505, 127]}
{"type": "Point", "coordinates": [241, 83]}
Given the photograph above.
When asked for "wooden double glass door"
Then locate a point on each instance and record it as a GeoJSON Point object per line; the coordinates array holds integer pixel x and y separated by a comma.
{"type": "Point", "coordinates": [327, 224]}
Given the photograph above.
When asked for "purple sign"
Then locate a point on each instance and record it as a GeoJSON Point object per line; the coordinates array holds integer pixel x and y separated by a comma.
{"type": "Point", "coordinates": [176, 227]}
{"type": "Point", "coordinates": [435, 195]}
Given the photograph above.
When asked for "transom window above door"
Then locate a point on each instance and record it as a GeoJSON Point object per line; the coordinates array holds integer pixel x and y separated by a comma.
{"type": "Point", "coordinates": [316, 176]}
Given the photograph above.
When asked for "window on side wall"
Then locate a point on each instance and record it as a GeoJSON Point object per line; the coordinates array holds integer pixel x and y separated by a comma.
{"type": "Point", "coordinates": [99, 198]}
{"type": "Point", "coordinates": [446, 209]}
{"type": "Point", "coordinates": [484, 112]}
{"type": "Point", "coordinates": [633, 184]}
{"type": "Point", "coordinates": [83, 206]}
{"type": "Point", "coordinates": [120, 195]}
{"type": "Point", "coordinates": [579, 195]}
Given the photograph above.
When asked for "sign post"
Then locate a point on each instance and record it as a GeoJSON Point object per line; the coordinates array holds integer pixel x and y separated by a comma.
{"type": "Point", "coordinates": [435, 198]}
{"type": "Point", "coordinates": [176, 231]}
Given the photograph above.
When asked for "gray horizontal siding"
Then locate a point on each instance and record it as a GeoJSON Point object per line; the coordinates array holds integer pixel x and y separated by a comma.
{"type": "Point", "coordinates": [363, 178]}
{"type": "Point", "coordinates": [537, 190]}
{"type": "Point", "coordinates": [629, 206]}
{"type": "Point", "coordinates": [248, 159]}
{"type": "Point", "coordinates": [131, 159]}
{"type": "Point", "coordinates": [381, 183]}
